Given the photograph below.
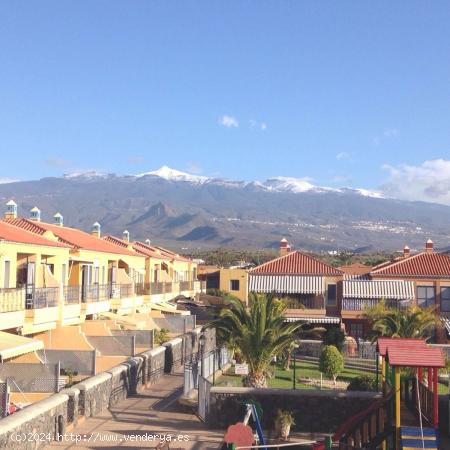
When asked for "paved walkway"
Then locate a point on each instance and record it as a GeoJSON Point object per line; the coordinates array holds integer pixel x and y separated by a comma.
{"type": "Point", "coordinates": [134, 422]}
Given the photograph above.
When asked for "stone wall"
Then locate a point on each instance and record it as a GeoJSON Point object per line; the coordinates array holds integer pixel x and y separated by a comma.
{"type": "Point", "coordinates": [174, 355]}
{"type": "Point", "coordinates": [314, 411]}
{"type": "Point", "coordinates": [43, 419]}
{"type": "Point", "coordinates": [93, 395]}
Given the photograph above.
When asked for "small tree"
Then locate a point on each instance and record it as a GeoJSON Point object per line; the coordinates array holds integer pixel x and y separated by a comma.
{"type": "Point", "coordinates": [161, 336]}
{"type": "Point", "coordinates": [331, 362]}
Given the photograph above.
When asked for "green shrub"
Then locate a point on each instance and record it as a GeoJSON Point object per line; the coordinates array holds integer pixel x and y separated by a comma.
{"type": "Point", "coordinates": [363, 383]}
{"type": "Point", "coordinates": [161, 336]}
{"type": "Point", "coordinates": [334, 336]}
{"type": "Point", "coordinates": [331, 362]}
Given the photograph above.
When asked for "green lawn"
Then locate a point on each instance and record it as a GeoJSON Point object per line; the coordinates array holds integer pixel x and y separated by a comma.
{"type": "Point", "coordinates": [283, 378]}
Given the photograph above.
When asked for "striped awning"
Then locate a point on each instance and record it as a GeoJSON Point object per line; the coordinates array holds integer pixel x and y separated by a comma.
{"type": "Point", "coordinates": [12, 345]}
{"type": "Point", "coordinates": [446, 322]}
{"type": "Point", "coordinates": [387, 289]}
{"type": "Point", "coordinates": [314, 319]}
{"type": "Point", "coordinates": [286, 284]}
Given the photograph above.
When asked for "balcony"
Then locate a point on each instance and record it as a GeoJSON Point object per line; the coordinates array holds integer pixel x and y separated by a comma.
{"type": "Point", "coordinates": [12, 299]}
{"type": "Point", "coordinates": [39, 298]}
{"type": "Point", "coordinates": [72, 295]}
{"type": "Point", "coordinates": [305, 302]}
{"type": "Point", "coordinates": [186, 285]}
{"type": "Point", "coordinates": [354, 307]}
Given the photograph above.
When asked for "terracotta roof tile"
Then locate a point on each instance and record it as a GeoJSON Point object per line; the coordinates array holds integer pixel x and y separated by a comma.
{"type": "Point", "coordinates": [407, 343]}
{"type": "Point", "coordinates": [425, 264]}
{"type": "Point", "coordinates": [11, 233]}
{"type": "Point", "coordinates": [296, 263]}
{"type": "Point", "coordinates": [72, 236]}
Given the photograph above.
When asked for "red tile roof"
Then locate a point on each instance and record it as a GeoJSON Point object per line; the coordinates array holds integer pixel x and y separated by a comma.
{"type": "Point", "coordinates": [11, 233]}
{"type": "Point", "coordinates": [415, 357]}
{"type": "Point", "coordinates": [75, 238]}
{"type": "Point", "coordinates": [296, 263]}
{"type": "Point", "coordinates": [407, 343]}
{"type": "Point", "coordinates": [425, 264]}
{"type": "Point", "coordinates": [158, 252]}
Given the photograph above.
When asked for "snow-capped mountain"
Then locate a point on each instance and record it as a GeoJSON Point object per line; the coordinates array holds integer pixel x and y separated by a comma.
{"type": "Point", "coordinates": [273, 184]}
{"type": "Point", "coordinates": [175, 175]}
{"type": "Point", "coordinates": [181, 209]}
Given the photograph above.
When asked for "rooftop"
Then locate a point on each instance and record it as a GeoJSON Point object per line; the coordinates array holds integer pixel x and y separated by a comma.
{"type": "Point", "coordinates": [12, 233]}
{"type": "Point", "coordinates": [70, 236]}
{"type": "Point", "coordinates": [296, 263]}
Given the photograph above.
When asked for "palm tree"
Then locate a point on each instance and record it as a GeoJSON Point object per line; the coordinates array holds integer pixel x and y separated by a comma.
{"type": "Point", "coordinates": [412, 322]}
{"type": "Point", "coordinates": [257, 333]}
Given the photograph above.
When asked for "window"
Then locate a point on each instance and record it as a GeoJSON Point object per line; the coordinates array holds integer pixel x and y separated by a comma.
{"type": "Point", "coordinates": [445, 299]}
{"type": "Point", "coordinates": [356, 330]}
{"type": "Point", "coordinates": [234, 285]}
{"type": "Point", "coordinates": [7, 274]}
{"type": "Point", "coordinates": [425, 296]}
{"type": "Point", "coordinates": [331, 295]}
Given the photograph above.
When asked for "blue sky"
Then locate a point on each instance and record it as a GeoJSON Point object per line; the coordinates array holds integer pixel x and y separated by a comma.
{"type": "Point", "coordinates": [345, 93]}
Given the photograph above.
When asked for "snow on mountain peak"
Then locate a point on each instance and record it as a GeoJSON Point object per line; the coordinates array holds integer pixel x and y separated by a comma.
{"type": "Point", "coordinates": [289, 184]}
{"type": "Point", "coordinates": [175, 175]}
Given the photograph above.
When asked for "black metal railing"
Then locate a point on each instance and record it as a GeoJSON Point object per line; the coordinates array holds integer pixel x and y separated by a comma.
{"type": "Point", "coordinates": [72, 295]}
{"type": "Point", "coordinates": [126, 290]}
{"type": "Point", "coordinates": [304, 302]}
{"type": "Point", "coordinates": [12, 299]}
{"type": "Point", "coordinates": [357, 304]}
{"type": "Point", "coordinates": [185, 285]}
{"type": "Point", "coordinates": [95, 293]}
{"type": "Point", "coordinates": [157, 288]}
{"type": "Point", "coordinates": [38, 298]}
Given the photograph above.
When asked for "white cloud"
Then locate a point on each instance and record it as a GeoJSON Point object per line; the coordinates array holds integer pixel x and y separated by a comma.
{"type": "Point", "coordinates": [7, 180]}
{"type": "Point", "coordinates": [343, 155]}
{"type": "Point", "coordinates": [388, 133]}
{"type": "Point", "coordinates": [429, 181]}
{"type": "Point", "coordinates": [253, 124]}
{"type": "Point", "coordinates": [263, 126]}
{"type": "Point", "coordinates": [228, 121]}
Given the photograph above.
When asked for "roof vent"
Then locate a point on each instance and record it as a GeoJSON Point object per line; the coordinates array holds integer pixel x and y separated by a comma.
{"type": "Point", "coordinates": [11, 210]}
{"type": "Point", "coordinates": [35, 214]}
{"type": "Point", "coordinates": [58, 219]}
{"type": "Point", "coordinates": [406, 252]}
{"type": "Point", "coordinates": [285, 248]}
{"type": "Point", "coordinates": [126, 236]}
{"type": "Point", "coordinates": [148, 242]}
{"type": "Point", "coordinates": [429, 246]}
{"type": "Point", "coordinates": [96, 229]}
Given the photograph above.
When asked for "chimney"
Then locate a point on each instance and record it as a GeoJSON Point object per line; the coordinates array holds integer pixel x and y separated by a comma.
{"type": "Point", "coordinates": [285, 248]}
{"type": "Point", "coordinates": [148, 242]}
{"type": "Point", "coordinates": [35, 214]}
{"type": "Point", "coordinates": [96, 229]}
{"type": "Point", "coordinates": [406, 252]}
{"type": "Point", "coordinates": [429, 246]}
{"type": "Point", "coordinates": [126, 236]}
{"type": "Point", "coordinates": [58, 219]}
{"type": "Point", "coordinates": [11, 210]}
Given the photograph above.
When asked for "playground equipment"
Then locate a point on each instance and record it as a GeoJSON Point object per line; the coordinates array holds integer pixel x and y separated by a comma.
{"type": "Point", "coordinates": [409, 375]}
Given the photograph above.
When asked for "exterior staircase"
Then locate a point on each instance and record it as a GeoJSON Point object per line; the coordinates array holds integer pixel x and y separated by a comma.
{"type": "Point", "coordinates": [411, 438]}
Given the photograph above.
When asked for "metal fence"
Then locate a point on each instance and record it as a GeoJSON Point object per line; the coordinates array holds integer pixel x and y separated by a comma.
{"type": "Point", "coordinates": [212, 362]}
{"type": "Point", "coordinates": [144, 338]}
{"type": "Point", "coordinates": [363, 349]}
{"type": "Point", "coordinates": [31, 377]}
{"type": "Point", "coordinates": [72, 295]}
{"type": "Point", "coordinates": [4, 399]}
{"type": "Point", "coordinates": [38, 298]}
{"type": "Point", "coordinates": [114, 345]}
{"type": "Point", "coordinates": [80, 361]}
{"type": "Point", "coordinates": [176, 324]}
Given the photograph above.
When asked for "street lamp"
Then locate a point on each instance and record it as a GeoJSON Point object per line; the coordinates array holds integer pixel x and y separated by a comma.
{"type": "Point", "coordinates": [201, 344]}
{"type": "Point", "coordinates": [294, 359]}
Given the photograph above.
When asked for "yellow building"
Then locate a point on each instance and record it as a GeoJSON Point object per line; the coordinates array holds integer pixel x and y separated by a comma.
{"type": "Point", "coordinates": [234, 281]}
{"type": "Point", "coordinates": [33, 271]}
{"type": "Point", "coordinates": [99, 274]}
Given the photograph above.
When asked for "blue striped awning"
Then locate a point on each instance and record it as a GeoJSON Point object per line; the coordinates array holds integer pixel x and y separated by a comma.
{"type": "Point", "coordinates": [286, 284]}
